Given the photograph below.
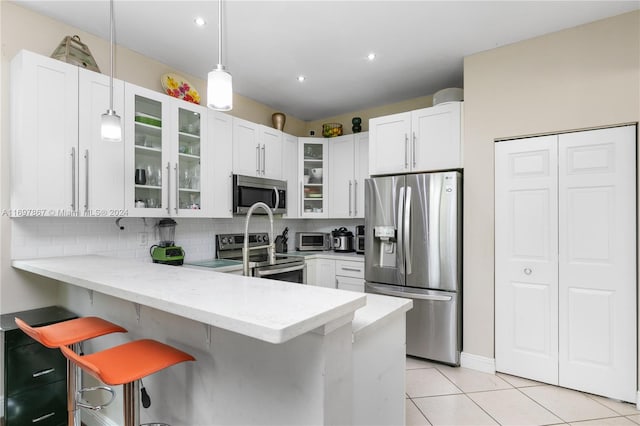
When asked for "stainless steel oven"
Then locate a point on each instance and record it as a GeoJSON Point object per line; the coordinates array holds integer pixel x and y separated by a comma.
{"type": "Point", "coordinates": [248, 190]}
{"type": "Point", "coordinates": [286, 268]}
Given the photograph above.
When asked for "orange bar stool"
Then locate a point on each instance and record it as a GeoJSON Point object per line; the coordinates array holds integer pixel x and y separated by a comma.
{"type": "Point", "coordinates": [125, 365]}
{"type": "Point", "coordinates": [71, 333]}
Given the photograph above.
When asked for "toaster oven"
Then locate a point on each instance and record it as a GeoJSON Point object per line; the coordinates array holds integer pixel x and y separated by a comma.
{"type": "Point", "coordinates": [313, 241]}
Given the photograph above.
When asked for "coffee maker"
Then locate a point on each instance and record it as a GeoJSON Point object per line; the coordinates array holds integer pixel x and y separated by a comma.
{"type": "Point", "coordinates": [167, 252]}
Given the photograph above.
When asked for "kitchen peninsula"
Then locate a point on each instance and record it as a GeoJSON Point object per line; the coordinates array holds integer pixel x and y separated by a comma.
{"type": "Point", "coordinates": [268, 352]}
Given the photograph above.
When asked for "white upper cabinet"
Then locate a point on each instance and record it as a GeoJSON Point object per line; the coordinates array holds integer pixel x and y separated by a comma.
{"type": "Point", "coordinates": [247, 158]}
{"type": "Point", "coordinates": [313, 169]}
{"type": "Point", "coordinates": [257, 150]}
{"type": "Point", "coordinates": [101, 164]}
{"type": "Point", "coordinates": [348, 162]}
{"type": "Point", "coordinates": [389, 149]}
{"type": "Point", "coordinates": [60, 165]}
{"type": "Point", "coordinates": [220, 151]}
{"type": "Point", "coordinates": [422, 140]}
{"type": "Point", "coordinates": [361, 171]}
{"type": "Point", "coordinates": [166, 155]}
{"type": "Point", "coordinates": [271, 150]}
{"type": "Point", "coordinates": [290, 174]}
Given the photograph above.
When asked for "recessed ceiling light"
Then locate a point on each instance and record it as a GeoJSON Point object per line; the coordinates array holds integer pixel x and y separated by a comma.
{"type": "Point", "coordinates": [199, 21]}
{"type": "Point", "coordinates": [371, 56]}
{"type": "Point", "coordinates": [301, 78]}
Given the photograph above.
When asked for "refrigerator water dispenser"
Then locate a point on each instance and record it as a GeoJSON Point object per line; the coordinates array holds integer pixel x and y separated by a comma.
{"type": "Point", "coordinates": [387, 237]}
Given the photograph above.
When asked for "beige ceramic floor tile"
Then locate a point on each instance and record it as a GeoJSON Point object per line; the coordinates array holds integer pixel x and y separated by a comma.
{"type": "Point", "coordinates": [428, 382]}
{"type": "Point", "coordinates": [456, 410]}
{"type": "Point", "coordinates": [512, 407]}
{"type": "Point", "coordinates": [413, 415]}
{"type": "Point", "coordinates": [518, 382]}
{"type": "Point", "coordinates": [612, 421]}
{"type": "Point", "coordinates": [635, 418]}
{"type": "Point", "coordinates": [419, 363]}
{"type": "Point", "coordinates": [624, 408]}
{"type": "Point", "coordinates": [570, 406]}
{"type": "Point", "coordinates": [473, 381]}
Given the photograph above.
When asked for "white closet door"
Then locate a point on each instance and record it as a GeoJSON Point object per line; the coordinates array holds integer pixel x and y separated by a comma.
{"type": "Point", "coordinates": [597, 261]}
{"type": "Point", "coordinates": [526, 258]}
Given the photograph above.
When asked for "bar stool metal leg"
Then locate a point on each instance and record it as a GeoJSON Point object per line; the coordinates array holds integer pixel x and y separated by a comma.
{"type": "Point", "coordinates": [131, 401]}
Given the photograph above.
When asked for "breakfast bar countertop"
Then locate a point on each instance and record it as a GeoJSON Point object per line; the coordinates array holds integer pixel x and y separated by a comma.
{"type": "Point", "coordinates": [268, 310]}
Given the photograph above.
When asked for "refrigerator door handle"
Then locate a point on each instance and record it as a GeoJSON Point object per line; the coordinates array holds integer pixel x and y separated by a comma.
{"type": "Point", "coordinates": [400, 238]}
{"type": "Point", "coordinates": [388, 292]}
{"type": "Point", "coordinates": [407, 230]}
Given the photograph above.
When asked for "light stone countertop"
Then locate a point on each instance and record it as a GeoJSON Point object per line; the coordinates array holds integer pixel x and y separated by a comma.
{"type": "Point", "coordinates": [378, 312]}
{"type": "Point", "coordinates": [268, 310]}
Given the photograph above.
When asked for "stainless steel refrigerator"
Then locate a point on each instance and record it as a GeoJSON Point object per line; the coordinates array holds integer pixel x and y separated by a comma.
{"type": "Point", "coordinates": [413, 250]}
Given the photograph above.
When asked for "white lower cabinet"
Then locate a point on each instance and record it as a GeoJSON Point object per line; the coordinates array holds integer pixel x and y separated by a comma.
{"type": "Point", "coordinates": [321, 272]}
{"type": "Point", "coordinates": [350, 275]}
{"type": "Point", "coordinates": [565, 244]}
{"type": "Point", "coordinates": [336, 273]}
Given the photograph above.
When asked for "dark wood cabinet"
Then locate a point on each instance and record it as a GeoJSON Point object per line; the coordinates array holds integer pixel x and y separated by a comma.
{"type": "Point", "coordinates": [35, 377]}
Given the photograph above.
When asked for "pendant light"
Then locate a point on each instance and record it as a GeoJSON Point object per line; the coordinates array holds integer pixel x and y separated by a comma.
{"type": "Point", "coordinates": [219, 87]}
{"type": "Point", "coordinates": [111, 130]}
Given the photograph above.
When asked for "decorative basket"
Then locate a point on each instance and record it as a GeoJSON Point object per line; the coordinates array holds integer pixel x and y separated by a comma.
{"type": "Point", "coordinates": [331, 130]}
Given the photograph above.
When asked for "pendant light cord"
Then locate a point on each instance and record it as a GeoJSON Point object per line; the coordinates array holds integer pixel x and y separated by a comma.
{"type": "Point", "coordinates": [219, 32]}
{"type": "Point", "coordinates": [111, 54]}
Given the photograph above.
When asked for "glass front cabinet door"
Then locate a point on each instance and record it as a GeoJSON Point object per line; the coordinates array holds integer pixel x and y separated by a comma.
{"type": "Point", "coordinates": [188, 170]}
{"type": "Point", "coordinates": [313, 169]}
{"type": "Point", "coordinates": [163, 169]}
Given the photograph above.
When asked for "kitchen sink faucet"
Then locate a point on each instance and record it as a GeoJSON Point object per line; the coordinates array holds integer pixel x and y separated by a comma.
{"type": "Point", "coordinates": [271, 247]}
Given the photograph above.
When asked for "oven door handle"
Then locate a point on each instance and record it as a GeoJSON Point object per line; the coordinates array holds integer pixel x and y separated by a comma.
{"type": "Point", "coordinates": [268, 272]}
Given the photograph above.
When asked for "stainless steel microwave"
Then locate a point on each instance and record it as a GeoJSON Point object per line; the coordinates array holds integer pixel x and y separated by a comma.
{"type": "Point", "coordinates": [248, 190]}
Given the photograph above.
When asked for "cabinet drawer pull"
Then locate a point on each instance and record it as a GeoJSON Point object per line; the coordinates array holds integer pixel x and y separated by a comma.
{"type": "Point", "coordinates": [43, 372]}
{"type": "Point", "coordinates": [351, 269]}
{"type": "Point", "coordinates": [355, 198]}
{"type": "Point", "coordinates": [41, 418]}
{"type": "Point", "coordinates": [86, 180]}
{"type": "Point", "coordinates": [73, 179]}
{"type": "Point", "coordinates": [413, 151]}
{"type": "Point", "coordinates": [406, 151]}
{"type": "Point", "coordinates": [168, 186]}
{"type": "Point", "coordinates": [177, 170]}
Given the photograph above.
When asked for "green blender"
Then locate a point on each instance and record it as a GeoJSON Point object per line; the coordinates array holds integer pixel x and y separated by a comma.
{"type": "Point", "coordinates": [167, 252]}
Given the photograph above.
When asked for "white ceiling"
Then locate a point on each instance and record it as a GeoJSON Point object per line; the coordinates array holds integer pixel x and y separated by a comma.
{"type": "Point", "coordinates": [420, 45]}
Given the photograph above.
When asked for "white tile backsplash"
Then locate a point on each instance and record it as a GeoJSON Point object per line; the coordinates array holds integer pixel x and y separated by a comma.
{"type": "Point", "coordinates": [46, 237]}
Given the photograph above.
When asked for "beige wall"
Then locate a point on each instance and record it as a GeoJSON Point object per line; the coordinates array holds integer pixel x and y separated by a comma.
{"type": "Point", "coordinates": [366, 114]}
{"type": "Point", "coordinates": [578, 78]}
{"type": "Point", "coordinates": [18, 33]}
